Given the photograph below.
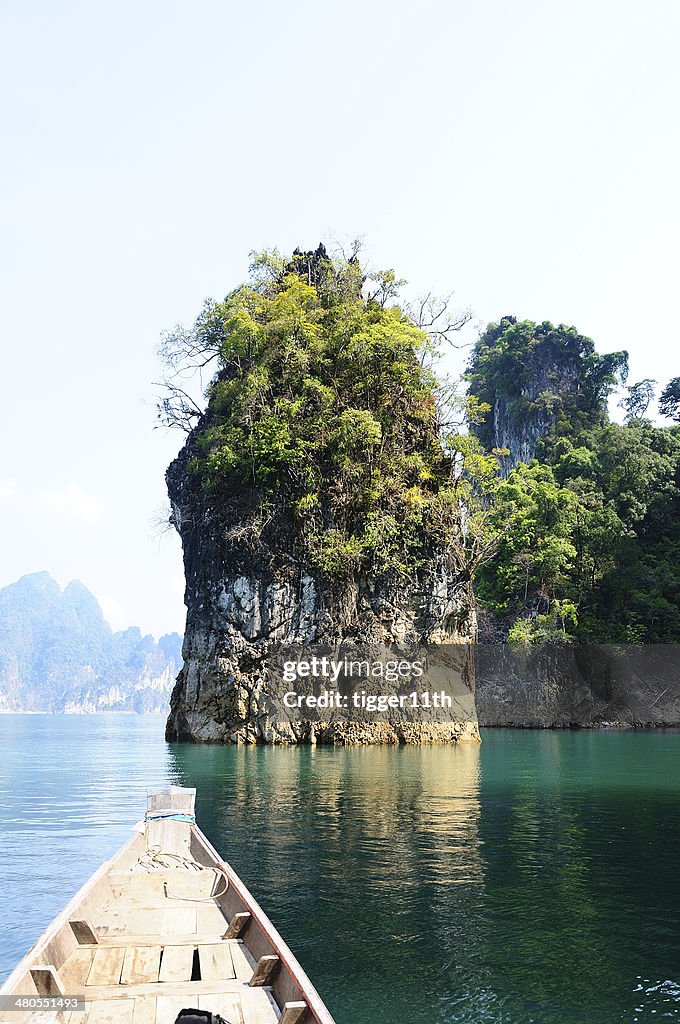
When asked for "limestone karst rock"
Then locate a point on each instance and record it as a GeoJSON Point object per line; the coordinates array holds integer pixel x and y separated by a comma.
{"type": "Point", "coordinates": [252, 579]}
{"type": "Point", "coordinates": [246, 591]}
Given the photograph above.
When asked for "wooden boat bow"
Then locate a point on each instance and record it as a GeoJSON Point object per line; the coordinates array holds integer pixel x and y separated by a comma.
{"type": "Point", "coordinates": [166, 924]}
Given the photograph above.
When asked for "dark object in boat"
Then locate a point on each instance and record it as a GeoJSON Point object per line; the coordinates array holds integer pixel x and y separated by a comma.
{"type": "Point", "coordinates": [190, 1016]}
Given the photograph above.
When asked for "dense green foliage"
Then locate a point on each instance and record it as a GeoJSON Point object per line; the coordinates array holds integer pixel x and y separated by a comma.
{"type": "Point", "coordinates": [325, 414]}
{"type": "Point", "coordinates": [325, 404]}
{"type": "Point", "coordinates": [574, 381]}
{"type": "Point", "coordinates": [669, 400]}
{"type": "Point", "coordinates": [589, 532]}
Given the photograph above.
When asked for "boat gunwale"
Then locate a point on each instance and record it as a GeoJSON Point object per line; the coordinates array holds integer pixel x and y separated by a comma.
{"type": "Point", "coordinates": [62, 918]}
{"type": "Point", "coordinates": [289, 961]}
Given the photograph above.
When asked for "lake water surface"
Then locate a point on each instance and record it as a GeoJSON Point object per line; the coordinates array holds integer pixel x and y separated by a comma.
{"type": "Point", "coordinates": [532, 880]}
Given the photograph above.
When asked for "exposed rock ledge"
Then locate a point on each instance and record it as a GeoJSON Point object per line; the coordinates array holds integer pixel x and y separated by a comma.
{"type": "Point", "coordinates": [578, 686]}
{"type": "Point", "coordinates": [246, 591]}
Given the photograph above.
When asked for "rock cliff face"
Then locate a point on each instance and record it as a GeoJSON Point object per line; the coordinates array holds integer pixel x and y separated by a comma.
{"type": "Point", "coordinates": [316, 508]}
{"type": "Point", "coordinates": [519, 436]}
{"type": "Point", "coordinates": [521, 420]}
{"type": "Point", "coordinates": [578, 686]}
{"type": "Point", "coordinates": [246, 591]}
{"type": "Point", "coordinates": [537, 378]}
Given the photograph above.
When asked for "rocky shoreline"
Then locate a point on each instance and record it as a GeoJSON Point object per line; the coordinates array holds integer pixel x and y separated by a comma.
{"type": "Point", "coordinates": [248, 590]}
{"type": "Point", "coordinates": [578, 686]}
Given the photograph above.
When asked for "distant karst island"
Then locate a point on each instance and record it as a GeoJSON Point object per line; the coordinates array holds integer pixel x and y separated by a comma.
{"type": "Point", "coordinates": [59, 655]}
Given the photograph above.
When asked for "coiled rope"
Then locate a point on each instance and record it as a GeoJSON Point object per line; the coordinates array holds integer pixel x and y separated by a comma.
{"type": "Point", "coordinates": [155, 859]}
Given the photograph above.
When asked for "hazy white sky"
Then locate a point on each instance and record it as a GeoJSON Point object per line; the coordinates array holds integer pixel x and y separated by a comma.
{"type": "Point", "coordinates": [525, 155]}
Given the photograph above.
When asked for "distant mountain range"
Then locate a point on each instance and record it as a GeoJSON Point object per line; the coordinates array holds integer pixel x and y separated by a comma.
{"type": "Point", "coordinates": [58, 654]}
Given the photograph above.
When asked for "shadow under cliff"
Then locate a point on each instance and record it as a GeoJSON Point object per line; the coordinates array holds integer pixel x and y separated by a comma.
{"type": "Point", "coordinates": [567, 686]}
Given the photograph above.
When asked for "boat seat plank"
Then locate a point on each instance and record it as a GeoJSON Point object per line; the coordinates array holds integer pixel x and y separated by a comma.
{"type": "Point", "coordinates": [216, 962]}
{"type": "Point", "coordinates": [159, 939]}
{"type": "Point", "coordinates": [75, 970]}
{"type": "Point", "coordinates": [145, 1010]}
{"type": "Point", "coordinates": [167, 1007]}
{"type": "Point", "coordinates": [186, 989]}
{"type": "Point", "coordinates": [228, 1006]}
{"type": "Point", "coordinates": [178, 919]}
{"type": "Point", "coordinates": [176, 963]}
{"type": "Point", "coordinates": [110, 1011]}
{"type": "Point", "coordinates": [244, 963]}
{"type": "Point", "coordinates": [107, 964]}
{"type": "Point", "coordinates": [142, 963]}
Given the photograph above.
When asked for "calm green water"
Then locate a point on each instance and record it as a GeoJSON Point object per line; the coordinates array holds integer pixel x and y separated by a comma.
{"type": "Point", "coordinates": [535, 879]}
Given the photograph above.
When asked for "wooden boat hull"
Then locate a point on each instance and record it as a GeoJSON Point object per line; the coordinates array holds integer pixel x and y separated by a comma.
{"type": "Point", "coordinates": [165, 924]}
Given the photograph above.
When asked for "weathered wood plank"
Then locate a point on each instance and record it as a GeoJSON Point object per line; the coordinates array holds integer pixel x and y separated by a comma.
{"type": "Point", "coordinates": [143, 902]}
{"type": "Point", "coordinates": [84, 932]}
{"type": "Point", "coordinates": [141, 964]}
{"type": "Point", "coordinates": [267, 966]}
{"type": "Point", "coordinates": [210, 919]}
{"type": "Point", "coordinates": [159, 939]}
{"type": "Point", "coordinates": [292, 1011]}
{"type": "Point", "coordinates": [170, 836]}
{"type": "Point", "coordinates": [76, 969]}
{"type": "Point", "coordinates": [259, 1007]}
{"type": "Point", "coordinates": [46, 980]}
{"type": "Point", "coordinates": [107, 963]}
{"type": "Point", "coordinates": [48, 1017]}
{"type": "Point", "coordinates": [215, 961]}
{"type": "Point", "coordinates": [176, 963]}
{"type": "Point", "coordinates": [186, 989]}
{"type": "Point", "coordinates": [177, 919]}
{"type": "Point", "coordinates": [129, 922]}
{"type": "Point", "coordinates": [196, 885]}
{"type": "Point", "coordinates": [144, 1010]}
{"type": "Point", "coordinates": [167, 1007]}
{"type": "Point", "coordinates": [237, 924]}
{"type": "Point", "coordinates": [111, 1011]}
{"type": "Point", "coordinates": [244, 963]}
{"type": "Point", "coordinates": [228, 1006]}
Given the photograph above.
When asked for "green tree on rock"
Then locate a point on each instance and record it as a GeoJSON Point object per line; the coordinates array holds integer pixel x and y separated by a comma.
{"type": "Point", "coordinates": [551, 373]}
{"type": "Point", "coordinates": [669, 402]}
{"type": "Point", "coordinates": [325, 403]}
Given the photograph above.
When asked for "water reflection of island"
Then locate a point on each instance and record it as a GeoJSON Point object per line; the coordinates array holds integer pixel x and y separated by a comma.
{"type": "Point", "coordinates": [361, 856]}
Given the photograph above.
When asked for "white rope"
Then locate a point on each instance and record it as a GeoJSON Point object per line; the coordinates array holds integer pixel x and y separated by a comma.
{"type": "Point", "coordinates": [155, 859]}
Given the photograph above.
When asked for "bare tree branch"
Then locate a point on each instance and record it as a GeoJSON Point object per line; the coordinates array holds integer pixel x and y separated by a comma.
{"type": "Point", "coordinates": [434, 315]}
{"type": "Point", "coordinates": [176, 408]}
{"type": "Point", "coordinates": [185, 354]}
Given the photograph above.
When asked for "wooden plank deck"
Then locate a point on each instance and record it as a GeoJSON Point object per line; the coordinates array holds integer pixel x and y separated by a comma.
{"type": "Point", "coordinates": [150, 945]}
{"type": "Point", "coordinates": [163, 925]}
{"type": "Point", "coordinates": [141, 963]}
